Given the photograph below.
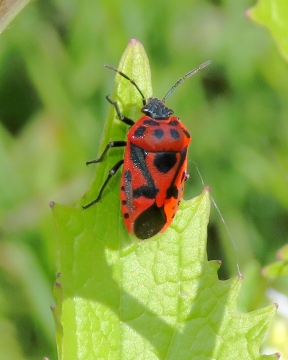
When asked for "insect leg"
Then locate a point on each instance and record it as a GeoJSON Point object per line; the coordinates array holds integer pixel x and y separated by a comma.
{"type": "Point", "coordinates": [111, 173]}
{"type": "Point", "coordinates": [122, 117]}
{"type": "Point", "coordinates": [111, 144]}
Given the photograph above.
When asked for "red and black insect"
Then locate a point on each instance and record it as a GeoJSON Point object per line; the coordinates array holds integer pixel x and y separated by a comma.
{"type": "Point", "coordinates": [155, 164]}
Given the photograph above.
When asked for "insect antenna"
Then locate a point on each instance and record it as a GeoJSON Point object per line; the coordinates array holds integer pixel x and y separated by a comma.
{"type": "Point", "coordinates": [190, 73]}
{"type": "Point", "coordinates": [129, 79]}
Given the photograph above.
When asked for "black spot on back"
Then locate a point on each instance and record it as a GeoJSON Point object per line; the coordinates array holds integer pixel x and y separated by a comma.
{"type": "Point", "coordinates": [164, 161]}
{"type": "Point", "coordinates": [172, 191]}
{"type": "Point", "coordinates": [147, 191]}
{"type": "Point", "coordinates": [158, 133]}
{"type": "Point", "coordinates": [174, 134]}
{"type": "Point", "coordinates": [173, 123]}
{"type": "Point", "coordinates": [150, 122]}
{"type": "Point", "coordinates": [150, 222]}
{"type": "Point", "coordinates": [138, 156]}
{"type": "Point", "coordinates": [140, 131]}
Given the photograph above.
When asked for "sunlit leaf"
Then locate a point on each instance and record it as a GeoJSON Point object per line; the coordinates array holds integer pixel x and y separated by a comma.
{"type": "Point", "coordinates": [123, 298]}
{"type": "Point", "coordinates": [273, 14]}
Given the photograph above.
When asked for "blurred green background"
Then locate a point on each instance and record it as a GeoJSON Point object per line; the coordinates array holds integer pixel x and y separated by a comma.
{"type": "Point", "coordinates": [52, 112]}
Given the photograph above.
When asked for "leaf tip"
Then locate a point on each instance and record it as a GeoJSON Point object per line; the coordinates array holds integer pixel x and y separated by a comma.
{"type": "Point", "coordinates": [276, 306]}
{"type": "Point", "coordinates": [282, 253]}
{"type": "Point", "coordinates": [134, 42]}
{"type": "Point", "coordinates": [248, 13]}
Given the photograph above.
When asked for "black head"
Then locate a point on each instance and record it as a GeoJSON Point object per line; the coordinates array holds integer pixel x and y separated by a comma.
{"type": "Point", "coordinates": [156, 109]}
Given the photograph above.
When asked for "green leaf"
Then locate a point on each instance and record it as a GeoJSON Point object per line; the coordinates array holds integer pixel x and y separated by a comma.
{"type": "Point", "coordinates": [283, 253]}
{"type": "Point", "coordinates": [123, 298]}
{"type": "Point", "coordinates": [273, 14]}
{"type": "Point", "coordinates": [278, 268]}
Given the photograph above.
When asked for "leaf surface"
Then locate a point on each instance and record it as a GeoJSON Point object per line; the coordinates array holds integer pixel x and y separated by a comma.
{"type": "Point", "coordinates": [123, 298]}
